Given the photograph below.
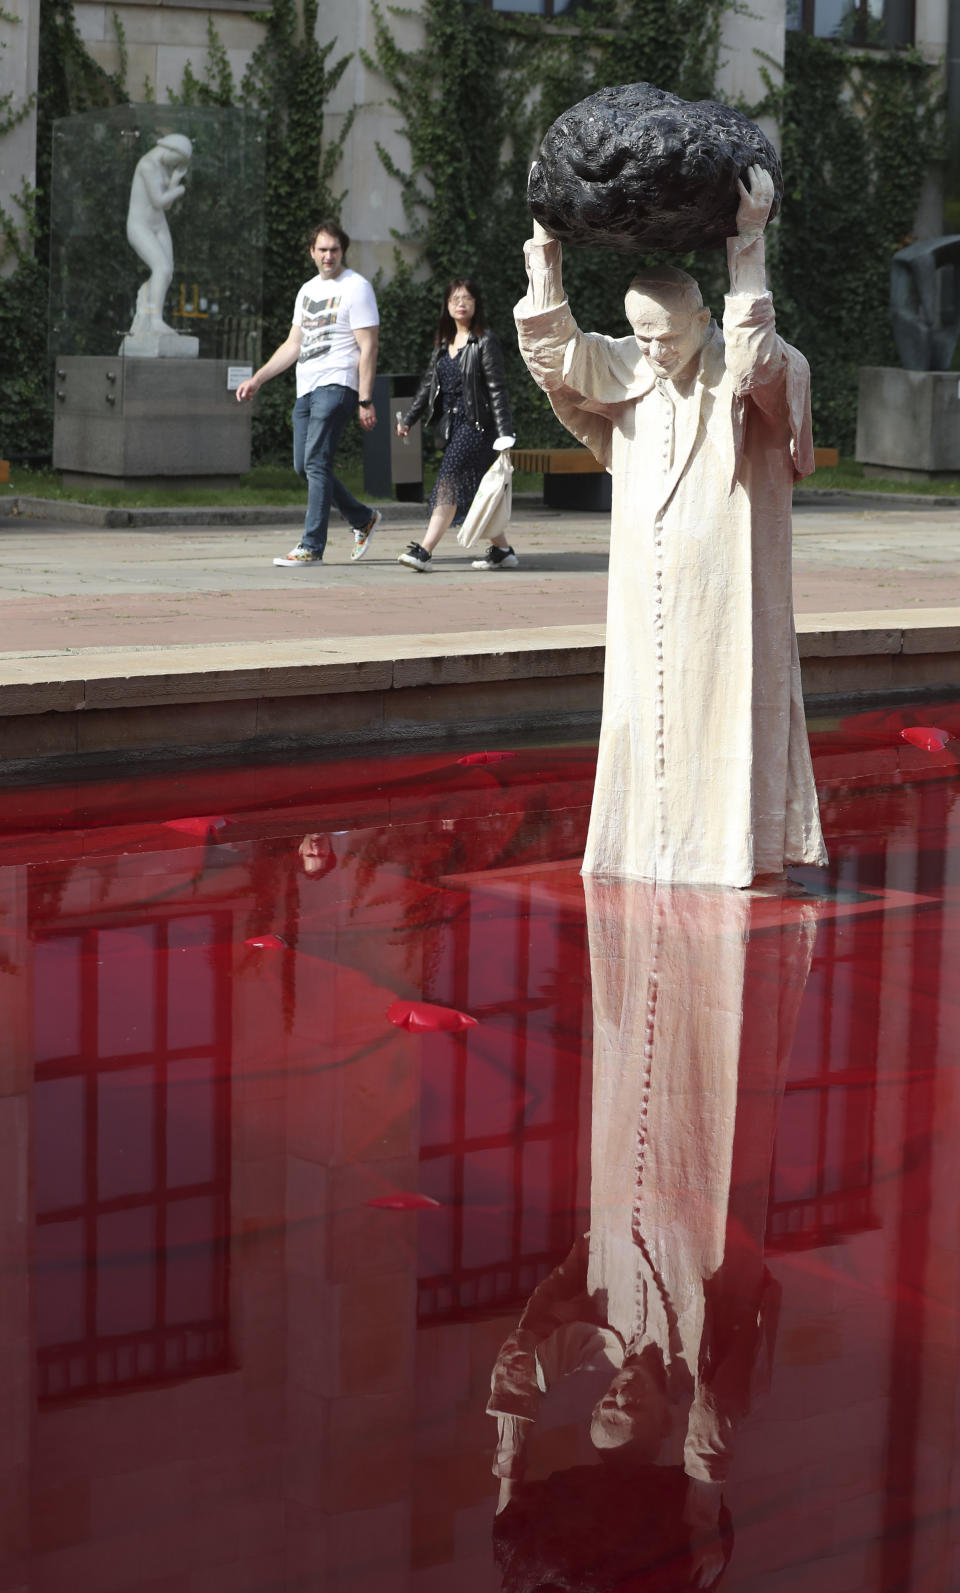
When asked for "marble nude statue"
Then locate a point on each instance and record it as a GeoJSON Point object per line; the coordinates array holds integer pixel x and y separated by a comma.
{"type": "Point", "coordinates": [704, 773]}
{"type": "Point", "coordinates": [157, 182]}
{"type": "Point", "coordinates": [655, 1335]}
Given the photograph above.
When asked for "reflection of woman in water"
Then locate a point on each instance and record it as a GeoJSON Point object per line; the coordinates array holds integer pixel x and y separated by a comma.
{"type": "Point", "coordinates": [661, 1313]}
{"type": "Point", "coordinates": [157, 183]}
{"type": "Point", "coordinates": [317, 856]}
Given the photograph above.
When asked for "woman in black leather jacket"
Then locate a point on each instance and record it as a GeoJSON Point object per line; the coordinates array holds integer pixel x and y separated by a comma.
{"type": "Point", "coordinates": [463, 396]}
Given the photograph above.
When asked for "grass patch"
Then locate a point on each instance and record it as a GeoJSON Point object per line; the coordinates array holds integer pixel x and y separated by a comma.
{"type": "Point", "coordinates": [850, 476]}
{"type": "Point", "coordinates": [271, 486]}
{"type": "Point", "coordinates": [277, 486]}
{"type": "Point", "coordinates": [266, 485]}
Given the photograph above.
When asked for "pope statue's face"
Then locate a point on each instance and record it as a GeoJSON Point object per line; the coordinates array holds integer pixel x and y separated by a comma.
{"type": "Point", "coordinates": [670, 336]}
{"type": "Point", "coordinates": [633, 1411]}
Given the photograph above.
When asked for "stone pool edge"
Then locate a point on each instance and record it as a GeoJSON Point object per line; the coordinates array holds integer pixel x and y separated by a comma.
{"type": "Point", "coordinates": [130, 702]}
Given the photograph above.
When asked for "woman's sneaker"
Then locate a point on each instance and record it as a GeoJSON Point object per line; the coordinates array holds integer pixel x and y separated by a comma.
{"type": "Point", "coordinates": [415, 557]}
{"type": "Point", "coordinates": [362, 535]}
{"type": "Point", "coordinates": [497, 559]}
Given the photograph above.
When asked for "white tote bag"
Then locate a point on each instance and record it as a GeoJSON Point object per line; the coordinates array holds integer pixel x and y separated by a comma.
{"type": "Point", "coordinates": [489, 513]}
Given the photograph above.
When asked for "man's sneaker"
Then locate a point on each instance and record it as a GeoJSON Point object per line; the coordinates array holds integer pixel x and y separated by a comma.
{"type": "Point", "coordinates": [497, 559]}
{"type": "Point", "coordinates": [416, 557]}
{"type": "Point", "coordinates": [300, 555]}
{"type": "Point", "coordinates": [361, 538]}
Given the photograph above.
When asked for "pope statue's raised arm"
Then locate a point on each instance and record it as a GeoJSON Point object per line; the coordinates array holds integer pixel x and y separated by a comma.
{"type": "Point", "coordinates": [704, 772]}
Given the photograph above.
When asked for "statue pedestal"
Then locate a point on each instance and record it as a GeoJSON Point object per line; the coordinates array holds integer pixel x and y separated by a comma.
{"type": "Point", "coordinates": [908, 423]}
{"type": "Point", "coordinates": [141, 422]}
{"type": "Point", "coordinates": [164, 344]}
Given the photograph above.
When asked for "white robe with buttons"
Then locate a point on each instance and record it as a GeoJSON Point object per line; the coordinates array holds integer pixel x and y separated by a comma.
{"type": "Point", "coordinates": [704, 772]}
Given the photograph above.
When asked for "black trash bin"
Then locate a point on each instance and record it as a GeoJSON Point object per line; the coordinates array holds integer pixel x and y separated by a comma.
{"type": "Point", "coordinates": [393, 467]}
{"type": "Point", "coordinates": [593, 490]}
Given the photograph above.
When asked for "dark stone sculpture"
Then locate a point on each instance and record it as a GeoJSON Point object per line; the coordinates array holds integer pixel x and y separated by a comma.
{"type": "Point", "coordinates": [925, 335]}
{"type": "Point", "coordinates": [637, 169]}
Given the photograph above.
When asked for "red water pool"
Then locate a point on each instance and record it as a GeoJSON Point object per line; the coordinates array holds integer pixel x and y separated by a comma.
{"type": "Point", "coordinates": [329, 1093]}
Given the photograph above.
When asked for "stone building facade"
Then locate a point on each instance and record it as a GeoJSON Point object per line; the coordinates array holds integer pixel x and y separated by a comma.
{"type": "Point", "coordinates": [161, 38]}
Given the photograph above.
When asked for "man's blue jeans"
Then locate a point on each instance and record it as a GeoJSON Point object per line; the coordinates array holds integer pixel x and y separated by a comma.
{"type": "Point", "coordinates": [318, 422]}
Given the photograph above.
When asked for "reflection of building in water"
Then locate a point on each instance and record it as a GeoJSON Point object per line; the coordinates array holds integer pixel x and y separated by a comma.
{"type": "Point", "coordinates": [665, 1309]}
{"type": "Point", "coordinates": [345, 1440]}
{"type": "Point", "coordinates": [208, 1338]}
{"type": "Point", "coordinates": [503, 1106]}
{"type": "Point", "coordinates": [132, 1125]}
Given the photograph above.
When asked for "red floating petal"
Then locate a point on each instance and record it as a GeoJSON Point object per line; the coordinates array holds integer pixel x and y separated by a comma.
{"type": "Point", "coordinates": [267, 942]}
{"type": "Point", "coordinates": [404, 1200]}
{"type": "Point", "coordinates": [487, 757]}
{"type": "Point", "coordinates": [204, 826]}
{"type": "Point", "coordinates": [419, 1016]}
{"type": "Point", "coordinates": [927, 737]}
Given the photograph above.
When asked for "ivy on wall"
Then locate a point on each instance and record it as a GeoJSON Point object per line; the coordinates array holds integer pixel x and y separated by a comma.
{"type": "Point", "coordinates": [474, 99]}
{"type": "Point", "coordinates": [25, 422]}
{"type": "Point", "coordinates": [290, 78]}
{"type": "Point", "coordinates": [69, 80]}
{"type": "Point", "coordinates": [13, 109]}
{"type": "Point", "coordinates": [859, 135]}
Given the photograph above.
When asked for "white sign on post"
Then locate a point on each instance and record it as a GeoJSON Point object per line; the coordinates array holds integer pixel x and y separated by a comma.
{"type": "Point", "coordinates": [237, 374]}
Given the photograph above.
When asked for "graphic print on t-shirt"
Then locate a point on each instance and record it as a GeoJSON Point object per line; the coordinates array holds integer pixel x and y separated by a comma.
{"type": "Point", "coordinates": [318, 316]}
{"type": "Point", "coordinates": [328, 315]}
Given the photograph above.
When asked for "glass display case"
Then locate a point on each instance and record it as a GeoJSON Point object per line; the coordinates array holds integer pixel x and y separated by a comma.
{"type": "Point", "coordinates": [216, 228]}
{"type": "Point", "coordinates": [155, 292]}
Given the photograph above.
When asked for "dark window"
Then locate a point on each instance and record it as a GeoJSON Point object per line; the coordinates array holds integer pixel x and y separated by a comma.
{"type": "Point", "coordinates": [537, 8]}
{"type": "Point", "coordinates": [886, 23]}
{"type": "Point", "coordinates": [131, 1114]}
{"type": "Point", "coordinates": [823, 1167]}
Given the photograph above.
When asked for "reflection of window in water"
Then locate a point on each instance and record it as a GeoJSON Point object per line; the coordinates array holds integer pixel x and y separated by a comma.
{"type": "Point", "coordinates": [823, 1162]}
{"type": "Point", "coordinates": [500, 1112]}
{"type": "Point", "coordinates": [131, 1114]}
{"type": "Point", "coordinates": [878, 22]}
{"type": "Point", "coordinates": [823, 1167]}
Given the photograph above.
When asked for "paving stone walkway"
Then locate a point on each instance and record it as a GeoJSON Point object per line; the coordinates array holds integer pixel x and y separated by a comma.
{"type": "Point", "coordinates": [65, 586]}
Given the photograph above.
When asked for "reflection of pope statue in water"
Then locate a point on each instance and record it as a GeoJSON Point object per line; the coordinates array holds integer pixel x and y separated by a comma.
{"type": "Point", "coordinates": [157, 182]}
{"type": "Point", "coordinates": [664, 1313]}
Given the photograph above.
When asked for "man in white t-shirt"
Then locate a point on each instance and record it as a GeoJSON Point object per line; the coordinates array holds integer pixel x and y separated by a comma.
{"type": "Point", "coordinates": [333, 343]}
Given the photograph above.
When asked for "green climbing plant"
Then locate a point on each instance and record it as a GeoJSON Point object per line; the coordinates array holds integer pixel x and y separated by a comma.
{"type": "Point", "coordinates": [859, 131]}
{"type": "Point", "coordinates": [216, 85]}
{"type": "Point", "coordinates": [25, 423]}
{"type": "Point", "coordinates": [475, 98]}
{"type": "Point", "coordinates": [14, 109]}
{"type": "Point", "coordinates": [69, 81]}
{"type": "Point", "coordinates": [290, 78]}
{"type": "Point", "coordinates": [859, 134]}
